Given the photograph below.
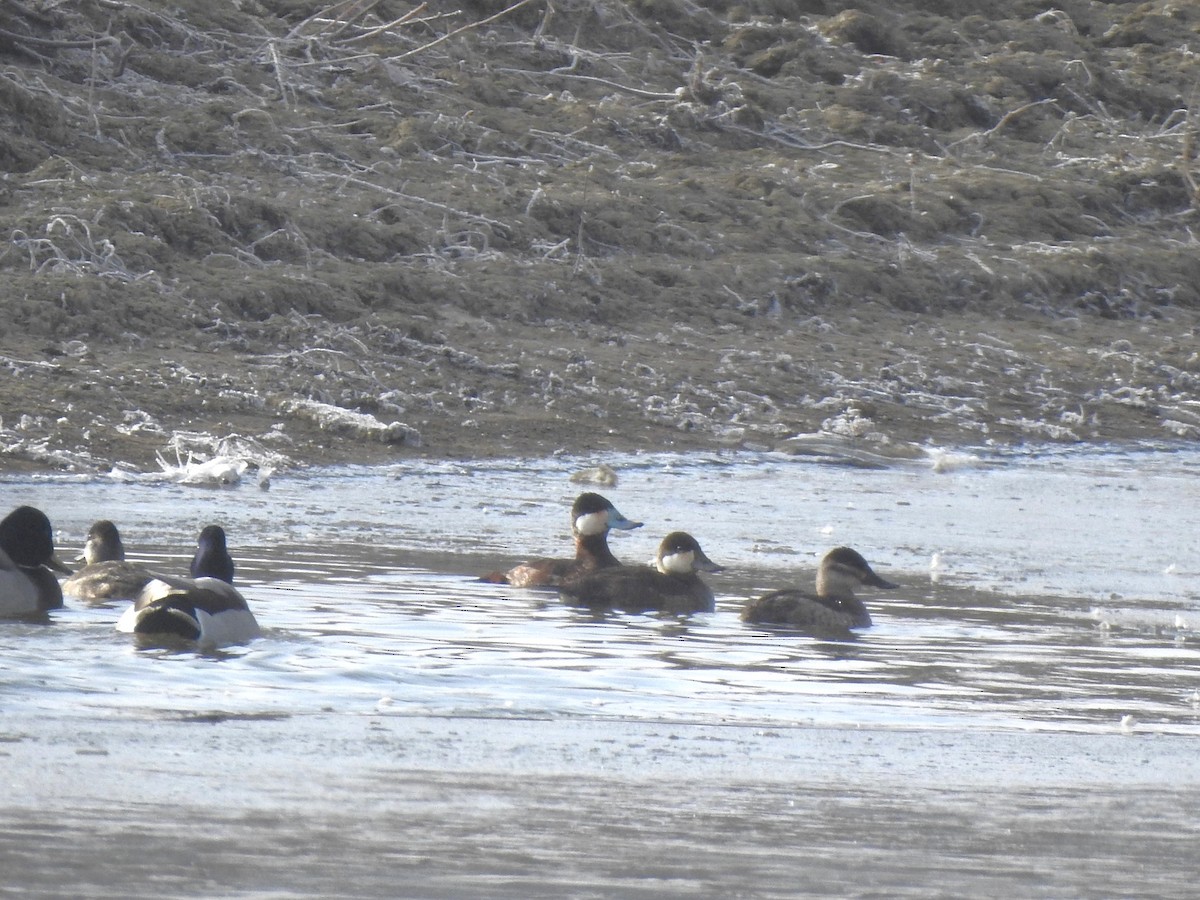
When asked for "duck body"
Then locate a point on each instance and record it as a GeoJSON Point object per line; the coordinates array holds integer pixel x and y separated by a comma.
{"type": "Point", "coordinates": [19, 595]}
{"type": "Point", "coordinates": [592, 517]}
{"type": "Point", "coordinates": [671, 586]}
{"type": "Point", "coordinates": [113, 579]}
{"type": "Point", "coordinates": [833, 611]}
{"type": "Point", "coordinates": [806, 611]}
{"type": "Point", "coordinates": [27, 564]}
{"type": "Point", "coordinates": [209, 611]}
{"type": "Point", "coordinates": [205, 608]}
{"type": "Point", "coordinates": [106, 574]}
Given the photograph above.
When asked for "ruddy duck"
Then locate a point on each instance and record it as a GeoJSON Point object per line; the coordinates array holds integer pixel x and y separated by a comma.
{"type": "Point", "coordinates": [671, 586]}
{"type": "Point", "coordinates": [833, 610]}
{"type": "Point", "coordinates": [106, 574]}
{"type": "Point", "coordinates": [27, 583]}
{"type": "Point", "coordinates": [591, 518]}
{"type": "Point", "coordinates": [206, 608]}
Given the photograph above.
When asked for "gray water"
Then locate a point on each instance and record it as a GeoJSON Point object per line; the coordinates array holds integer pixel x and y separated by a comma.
{"type": "Point", "coordinates": [1021, 719]}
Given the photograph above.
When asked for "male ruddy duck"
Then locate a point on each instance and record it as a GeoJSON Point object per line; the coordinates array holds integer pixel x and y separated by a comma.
{"type": "Point", "coordinates": [671, 586]}
{"type": "Point", "coordinates": [106, 574]}
{"type": "Point", "coordinates": [206, 608]}
{"type": "Point", "coordinates": [834, 610]}
{"type": "Point", "coordinates": [591, 518]}
{"type": "Point", "coordinates": [27, 584]}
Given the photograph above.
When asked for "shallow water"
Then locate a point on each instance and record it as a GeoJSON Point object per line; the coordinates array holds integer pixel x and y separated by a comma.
{"type": "Point", "coordinates": [404, 730]}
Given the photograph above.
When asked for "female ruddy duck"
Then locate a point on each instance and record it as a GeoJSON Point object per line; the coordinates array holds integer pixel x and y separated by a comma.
{"type": "Point", "coordinates": [106, 574]}
{"type": "Point", "coordinates": [671, 586]}
{"type": "Point", "coordinates": [205, 608]}
{"type": "Point", "coordinates": [591, 518]}
{"type": "Point", "coordinates": [27, 584]}
{"type": "Point", "coordinates": [833, 610]}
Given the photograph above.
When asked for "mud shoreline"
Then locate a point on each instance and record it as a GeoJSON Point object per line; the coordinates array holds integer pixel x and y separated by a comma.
{"type": "Point", "coordinates": [883, 381]}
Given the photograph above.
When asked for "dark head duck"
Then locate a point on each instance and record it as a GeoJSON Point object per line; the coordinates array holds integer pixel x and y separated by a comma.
{"type": "Point", "coordinates": [106, 574]}
{"type": "Point", "coordinates": [103, 544]}
{"type": "Point", "coordinates": [205, 608]}
{"type": "Point", "coordinates": [27, 563]}
{"type": "Point", "coordinates": [834, 610]}
{"type": "Point", "coordinates": [671, 586]}
{"type": "Point", "coordinates": [592, 516]}
{"type": "Point", "coordinates": [212, 557]}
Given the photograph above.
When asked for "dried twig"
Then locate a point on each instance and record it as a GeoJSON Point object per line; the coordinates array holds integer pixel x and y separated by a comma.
{"type": "Point", "coordinates": [388, 26]}
{"type": "Point", "coordinates": [278, 66]}
{"type": "Point", "coordinates": [984, 137]}
{"type": "Point", "coordinates": [59, 44]}
{"type": "Point", "coordinates": [615, 85]}
{"type": "Point", "coordinates": [457, 31]}
{"type": "Point", "coordinates": [344, 12]}
{"type": "Point", "coordinates": [1187, 153]}
{"type": "Point", "coordinates": [409, 198]}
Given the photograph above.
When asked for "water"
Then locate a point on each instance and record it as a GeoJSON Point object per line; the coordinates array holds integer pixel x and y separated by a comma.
{"type": "Point", "coordinates": [405, 730]}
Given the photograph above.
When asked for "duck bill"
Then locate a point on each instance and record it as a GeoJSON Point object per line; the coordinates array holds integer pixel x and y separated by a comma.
{"type": "Point", "coordinates": [616, 520]}
{"type": "Point", "coordinates": [876, 581]}
{"type": "Point", "coordinates": [704, 564]}
{"type": "Point", "coordinates": [58, 565]}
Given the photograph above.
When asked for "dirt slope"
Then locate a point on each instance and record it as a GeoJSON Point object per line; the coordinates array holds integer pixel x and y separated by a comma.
{"type": "Point", "coordinates": [584, 225]}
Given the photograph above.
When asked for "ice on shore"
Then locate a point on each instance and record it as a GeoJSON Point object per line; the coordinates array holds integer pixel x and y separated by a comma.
{"type": "Point", "coordinates": [351, 423]}
{"type": "Point", "coordinates": [207, 460]}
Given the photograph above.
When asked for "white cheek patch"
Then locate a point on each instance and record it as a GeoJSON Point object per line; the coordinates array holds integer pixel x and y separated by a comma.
{"type": "Point", "coordinates": [592, 523]}
{"type": "Point", "coordinates": [680, 563]}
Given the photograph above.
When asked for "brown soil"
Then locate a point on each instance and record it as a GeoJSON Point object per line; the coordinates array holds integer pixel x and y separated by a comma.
{"type": "Point", "coordinates": [594, 225]}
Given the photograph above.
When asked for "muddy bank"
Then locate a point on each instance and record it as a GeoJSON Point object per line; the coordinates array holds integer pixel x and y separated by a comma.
{"type": "Point", "coordinates": [348, 234]}
{"type": "Point", "coordinates": [881, 381]}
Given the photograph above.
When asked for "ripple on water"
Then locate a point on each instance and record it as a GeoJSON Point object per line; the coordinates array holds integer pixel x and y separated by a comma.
{"type": "Point", "coordinates": [364, 580]}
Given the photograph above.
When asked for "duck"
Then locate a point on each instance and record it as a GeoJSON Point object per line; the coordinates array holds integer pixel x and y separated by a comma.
{"type": "Point", "coordinates": [106, 574]}
{"type": "Point", "coordinates": [672, 585]}
{"type": "Point", "coordinates": [833, 611]}
{"type": "Point", "coordinates": [592, 516]}
{"type": "Point", "coordinates": [205, 608]}
{"type": "Point", "coordinates": [27, 563]}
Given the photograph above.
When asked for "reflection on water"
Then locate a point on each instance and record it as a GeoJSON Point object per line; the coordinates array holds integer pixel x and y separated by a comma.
{"type": "Point", "coordinates": [1063, 596]}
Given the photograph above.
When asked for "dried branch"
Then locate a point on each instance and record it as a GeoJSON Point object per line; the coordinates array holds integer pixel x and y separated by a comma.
{"type": "Point", "coordinates": [410, 198]}
{"type": "Point", "coordinates": [60, 44]}
{"type": "Point", "coordinates": [457, 31]}
{"type": "Point", "coordinates": [983, 137]}
{"type": "Point", "coordinates": [388, 26]}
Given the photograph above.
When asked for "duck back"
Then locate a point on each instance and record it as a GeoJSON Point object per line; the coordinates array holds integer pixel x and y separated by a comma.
{"type": "Point", "coordinates": [111, 579]}
{"type": "Point", "coordinates": [816, 615]}
{"type": "Point", "coordinates": [641, 590]}
{"type": "Point", "coordinates": [207, 610]}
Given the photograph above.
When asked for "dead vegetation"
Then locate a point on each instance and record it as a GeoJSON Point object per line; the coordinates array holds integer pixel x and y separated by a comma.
{"type": "Point", "coordinates": [427, 200]}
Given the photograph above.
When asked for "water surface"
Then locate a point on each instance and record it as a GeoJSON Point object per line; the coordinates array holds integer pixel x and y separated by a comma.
{"type": "Point", "coordinates": [1036, 672]}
